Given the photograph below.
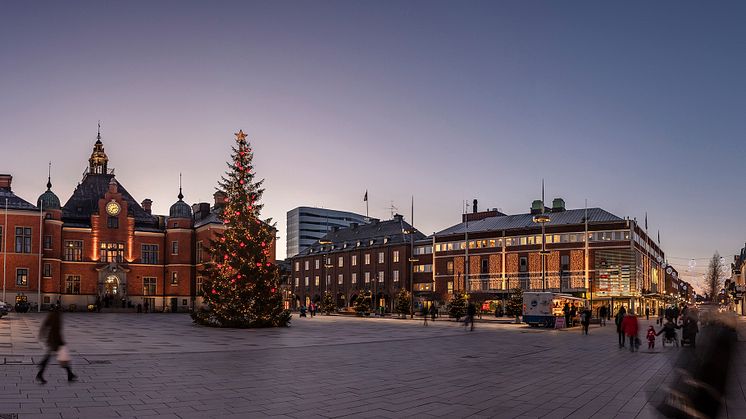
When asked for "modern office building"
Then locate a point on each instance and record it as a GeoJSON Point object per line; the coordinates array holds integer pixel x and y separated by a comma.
{"type": "Point", "coordinates": [306, 225]}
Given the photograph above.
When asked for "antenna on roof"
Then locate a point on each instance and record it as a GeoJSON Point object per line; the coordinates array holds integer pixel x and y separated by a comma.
{"type": "Point", "coordinates": [181, 196]}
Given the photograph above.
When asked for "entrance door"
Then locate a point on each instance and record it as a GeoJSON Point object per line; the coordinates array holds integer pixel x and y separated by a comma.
{"type": "Point", "coordinates": [111, 286]}
{"type": "Point", "coordinates": [174, 304]}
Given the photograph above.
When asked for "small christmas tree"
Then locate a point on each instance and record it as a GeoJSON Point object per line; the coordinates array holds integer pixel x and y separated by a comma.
{"type": "Point", "coordinates": [514, 306]}
{"type": "Point", "coordinates": [457, 305]}
{"type": "Point", "coordinates": [403, 302]}
{"type": "Point", "coordinates": [327, 305]}
{"type": "Point", "coordinates": [362, 303]}
{"type": "Point", "coordinates": [241, 283]}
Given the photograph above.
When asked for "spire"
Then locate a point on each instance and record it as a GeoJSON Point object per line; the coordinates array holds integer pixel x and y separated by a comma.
{"type": "Point", "coordinates": [181, 196]}
{"type": "Point", "coordinates": [98, 137]}
{"type": "Point", "coordinates": [49, 177]}
{"type": "Point", "coordinates": [98, 162]}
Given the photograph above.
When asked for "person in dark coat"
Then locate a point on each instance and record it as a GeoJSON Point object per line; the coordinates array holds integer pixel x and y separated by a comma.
{"type": "Point", "coordinates": [433, 311]}
{"type": "Point", "coordinates": [647, 313]}
{"type": "Point", "coordinates": [51, 333]}
{"type": "Point", "coordinates": [566, 312]}
{"type": "Point", "coordinates": [602, 315]}
{"type": "Point", "coordinates": [585, 319]}
{"type": "Point", "coordinates": [471, 311]}
{"type": "Point", "coordinates": [573, 313]}
{"type": "Point", "coordinates": [618, 319]}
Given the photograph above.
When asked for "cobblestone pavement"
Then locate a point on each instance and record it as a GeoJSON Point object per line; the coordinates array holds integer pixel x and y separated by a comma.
{"type": "Point", "coordinates": [148, 365]}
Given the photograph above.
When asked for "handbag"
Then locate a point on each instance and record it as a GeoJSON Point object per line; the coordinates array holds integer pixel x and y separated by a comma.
{"type": "Point", "coordinates": [63, 354]}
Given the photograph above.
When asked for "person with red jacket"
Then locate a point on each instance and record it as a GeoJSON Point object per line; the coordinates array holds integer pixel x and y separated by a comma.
{"type": "Point", "coordinates": [630, 329]}
{"type": "Point", "coordinates": [651, 337]}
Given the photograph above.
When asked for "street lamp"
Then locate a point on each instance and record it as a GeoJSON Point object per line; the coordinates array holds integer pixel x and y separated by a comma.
{"type": "Point", "coordinates": [542, 219]}
{"type": "Point", "coordinates": [412, 260]}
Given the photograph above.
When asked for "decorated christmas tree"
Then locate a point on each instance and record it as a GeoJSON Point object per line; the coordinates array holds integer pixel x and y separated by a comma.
{"type": "Point", "coordinates": [403, 302]}
{"type": "Point", "coordinates": [457, 305]}
{"type": "Point", "coordinates": [363, 302]}
{"type": "Point", "coordinates": [240, 286]}
{"type": "Point", "coordinates": [327, 304]}
{"type": "Point", "coordinates": [514, 306]}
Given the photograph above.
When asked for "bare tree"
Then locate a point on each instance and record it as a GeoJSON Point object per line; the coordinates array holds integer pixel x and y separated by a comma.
{"type": "Point", "coordinates": [714, 273]}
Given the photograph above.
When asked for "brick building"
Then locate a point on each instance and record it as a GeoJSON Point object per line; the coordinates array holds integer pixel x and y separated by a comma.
{"type": "Point", "coordinates": [102, 244]}
{"type": "Point", "coordinates": [372, 257]}
{"type": "Point", "coordinates": [589, 253]}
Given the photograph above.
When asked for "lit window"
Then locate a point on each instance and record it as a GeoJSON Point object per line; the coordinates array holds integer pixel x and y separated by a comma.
{"type": "Point", "coordinates": [354, 278]}
{"type": "Point", "coordinates": [316, 263]}
{"type": "Point", "coordinates": [353, 260]}
{"type": "Point", "coordinates": [380, 257]}
{"type": "Point", "coordinates": [174, 279]}
{"type": "Point", "coordinates": [340, 279]}
{"type": "Point", "coordinates": [340, 261]}
{"type": "Point", "coordinates": [396, 276]}
{"type": "Point", "coordinates": [306, 281]}
{"type": "Point", "coordinates": [297, 266]}
{"type": "Point", "coordinates": [367, 258]}
{"type": "Point", "coordinates": [305, 265]}
{"type": "Point", "coordinates": [316, 280]}
{"type": "Point", "coordinates": [380, 276]}
{"type": "Point", "coordinates": [396, 255]}
{"type": "Point", "coordinates": [22, 277]}
{"type": "Point", "coordinates": [367, 277]}
{"type": "Point", "coordinates": [74, 250]}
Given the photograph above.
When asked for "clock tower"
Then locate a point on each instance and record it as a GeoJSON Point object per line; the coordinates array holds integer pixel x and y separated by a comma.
{"type": "Point", "coordinates": [98, 161]}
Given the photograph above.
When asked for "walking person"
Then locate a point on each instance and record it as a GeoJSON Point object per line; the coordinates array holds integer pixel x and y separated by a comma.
{"type": "Point", "coordinates": [573, 313]}
{"type": "Point", "coordinates": [51, 332]}
{"type": "Point", "coordinates": [618, 321]}
{"type": "Point", "coordinates": [651, 337]}
{"type": "Point", "coordinates": [647, 313]}
{"type": "Point", "coordinates": [585, 319]}
{"type": "Point", "coordinates": [602, 315]}
{"type": "Point", "coordinates": [630, 329]}
{"type": "Point", "coordinates": [566, 312]}
{"type": "Point", "coordinates": [471, 311]}
{"type": "Point", "coordinates": [433, 311]}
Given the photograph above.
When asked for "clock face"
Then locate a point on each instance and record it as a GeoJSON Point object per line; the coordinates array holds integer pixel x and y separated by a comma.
{"type": "Point", "coordinates": [112, 208]}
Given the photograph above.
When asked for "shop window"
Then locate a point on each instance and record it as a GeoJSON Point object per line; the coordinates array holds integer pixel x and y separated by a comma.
{"type": "Point", "coordinates": [22, 277]}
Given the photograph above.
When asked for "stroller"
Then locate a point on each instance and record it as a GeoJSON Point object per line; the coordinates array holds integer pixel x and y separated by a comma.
{"type": "Point", "coordinates": [669, 334]}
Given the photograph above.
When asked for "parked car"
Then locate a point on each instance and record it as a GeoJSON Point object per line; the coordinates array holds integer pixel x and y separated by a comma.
{"type": "Point", "coordinates": [4, 308]}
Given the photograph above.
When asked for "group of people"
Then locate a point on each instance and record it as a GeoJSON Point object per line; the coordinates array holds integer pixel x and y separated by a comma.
{"type": "Point", "coordinates": [628, 328]}
{"type": "Point", "coordinates": [311, 309]}
{"type": "Point", "coordinates": [571, 313]}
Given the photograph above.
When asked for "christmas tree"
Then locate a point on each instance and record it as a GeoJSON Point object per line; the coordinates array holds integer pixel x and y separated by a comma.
{"type": "Point", "coordinates": [457, 305]}
{"type": "Point", "coordinates": [362, 303]}
{"type": "Point", "coordinates": [241, 283]}
{"type": "Point", "coordinates": [403, 302]}
{"type": "Point", "coordinates": [514, 306]}
{"type": "Point", "coordinates": [327, 305]}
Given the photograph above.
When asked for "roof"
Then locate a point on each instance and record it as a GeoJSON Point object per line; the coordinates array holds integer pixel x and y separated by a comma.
{"type": "Point", "coordinates": [14, 202]}
{"type": "Point", "coordinates": [393, 230]}
{"type": "Point", "coordinates": [84, 202]}
{"type": "Point", "coordinates": [522, 221]}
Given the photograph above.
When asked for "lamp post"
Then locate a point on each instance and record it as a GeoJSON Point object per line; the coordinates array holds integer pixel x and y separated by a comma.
{"type": "Point", "coordinates": [542, 219]}
{"type": "Point", "coordinates": [323, 242]}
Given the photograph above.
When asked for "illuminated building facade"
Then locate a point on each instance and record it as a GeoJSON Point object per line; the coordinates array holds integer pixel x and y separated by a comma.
{"type": "Point", "coordinates": [102, 245]}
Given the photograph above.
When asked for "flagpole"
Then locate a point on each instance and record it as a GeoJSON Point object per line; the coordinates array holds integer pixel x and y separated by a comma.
{"type": "Point", "coordinates": [5, 247]}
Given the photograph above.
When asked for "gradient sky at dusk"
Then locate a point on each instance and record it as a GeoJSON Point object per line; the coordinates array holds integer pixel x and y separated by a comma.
{"type": "Point", "coordinates": [634, 106]}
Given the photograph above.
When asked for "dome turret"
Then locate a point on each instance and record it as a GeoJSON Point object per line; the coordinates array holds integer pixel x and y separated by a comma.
{"type": "Point", "coordinates": [180, 209]}
{"type": "Point", "coordinates": [48, 200]}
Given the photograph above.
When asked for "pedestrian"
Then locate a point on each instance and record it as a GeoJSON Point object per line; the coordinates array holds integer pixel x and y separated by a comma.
{"type": "Point", "coordinates": [618, 321]}
{"type": "Point", "coordinates": [651, 337]}
{"type": "Point", "coordinates": [647, 313]}
{"type": "Point", "coordinates": [313, 309]}
{"type": "Point", "coordinates": [630, 329]}
{"type": "Point", "coordinates": [689, 331]}
{"type": "Point", "coordinates": [573, 313]}
{"type": "Point", "coordinates": [51, 332]}
{"type": "Point", "coordinates": [146, 306]}
{"type": "Point", "coordinates": [471, 311]}
{"type": "Point", "coordinates": [585, 319]}
{"type": "Point", "coordinates": [303, 310]}
{"type": "Point", "coordinates": [433, 311]}
{"type": "Point", "coordinates": [566, 312]}
{"type": "Point", "coordinates": [602, 315]}
{"type": "Point", "coordinates": [660, 316]}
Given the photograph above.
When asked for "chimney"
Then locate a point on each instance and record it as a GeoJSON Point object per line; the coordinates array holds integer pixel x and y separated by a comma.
{"type": "Point", "coordinates": [146, 205]}
{"type": "Point", "coordinates": [5, 181]}
{"type": "Point", "coordinates": [474, 206]}
{"type": "Point", "coordinates": [219, 198]}
{"type": "Point", "coordinates": [558, 205]}
{"type": "Point", "coordinates": [537, 206]}
{"type": "Point", "coordinates": [398, 217]}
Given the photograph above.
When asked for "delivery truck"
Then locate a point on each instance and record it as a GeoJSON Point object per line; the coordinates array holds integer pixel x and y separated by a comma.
{"type": "Point", "coordinates": [543, 308]}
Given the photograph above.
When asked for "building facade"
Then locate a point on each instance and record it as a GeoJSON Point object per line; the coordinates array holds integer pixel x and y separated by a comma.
{"type": "Point", "coordinates": [374, 257]}
{"type": "Point", "coordinates": [306, 225]}
{"type": "Point", "coordinates": [589, 253]}
{"type": "Point", "coordinates": [103, 246]}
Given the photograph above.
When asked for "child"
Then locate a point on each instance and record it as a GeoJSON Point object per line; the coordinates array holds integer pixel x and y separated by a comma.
{"type": "Point", "coordinates": [651, 337]}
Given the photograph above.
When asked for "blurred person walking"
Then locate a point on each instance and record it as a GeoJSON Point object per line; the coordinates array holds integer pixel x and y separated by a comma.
{"type": "Point", "coordinates": [618, 321]}
{"type": "Point", "coordinates": [51, 332]}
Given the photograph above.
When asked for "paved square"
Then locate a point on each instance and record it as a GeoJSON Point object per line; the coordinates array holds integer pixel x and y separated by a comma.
{"type": "Point", "coordinates": [161, 365]}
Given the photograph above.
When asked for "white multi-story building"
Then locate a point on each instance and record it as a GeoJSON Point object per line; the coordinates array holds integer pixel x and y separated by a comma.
{"type": "Point", "coordinates": [306, 225]}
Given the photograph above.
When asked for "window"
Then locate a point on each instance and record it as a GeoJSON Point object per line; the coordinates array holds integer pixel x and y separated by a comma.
{"type": "Point", "coordinates": [297, 281]}
{"type": "Point", "coordinates": [150, 254]}
{"type": "Point", "coordinates": [23, 239]}
{"type": "Point", "coordinates": [367, 277]}
{"type": "Point", "coordinates": [112, 222]}
{"type": "Point", "coordinates": [22, 277]}
{"type": "Point", "coordinates": [47, 242]}
{"type": "Point", "coordinates": [564, 263]}
{"type": "Point", "coordinates": [450, 286]}
{"type": "Point", "coordinates": [174, 278]}
{"type": "Point", "coordinates": [449, 267]}
{"type": "Point", "coordinates": [340, 279]}
{"type": "Point", "coordinates": [317, 263]}
{"type": "Point", "coordinates": [423, 268]}
{"type": "Point", "coordinates": [305, 265]}
{"type": "Point", "coordinates": [316, 280]}
{"type": "Point", "coordinates": [148, 285]}
{"type": "Point", "coordinates": [306, 281]}
{"type": "Point", "coordinates": [74, 250]}
{"type": "Point", "coordinates": [340, 261]}
{"type": "Point", "coordinates": [328, 279]}
{"type": "Point", "coordinates": [72, 284]}
{"type": "Point", "coordinates": [354, 278]}
{"type": "Point", "coordinates": [396, 276]}
{"type": "Point", "coordinates": [485, 266]}
{"type": "Point", "coordinates": [329, 262]}
{"type": "Point", "coordinates": [297, 266]}
{"type": "Point", "coordinates": [200, 251]}
{"type": "Point", "coordinates": [380, 276]}
{"type": "Point", "coordinates": [47, 270]}
{"type": "Point", "coordinates": [112, 252]}
{"type": "Point", "coordinates": [367, 258]}
{"type": "Point", "coordinates": [523, 264]}
{"type": "Point", "coordinates": [353, 260]}
{"type": "Point", "coordinates": [174, 248]}
{"type": "Point", "coordinates": [199, 290]}
{"type": "Point", "coordinates": [396, 255]}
